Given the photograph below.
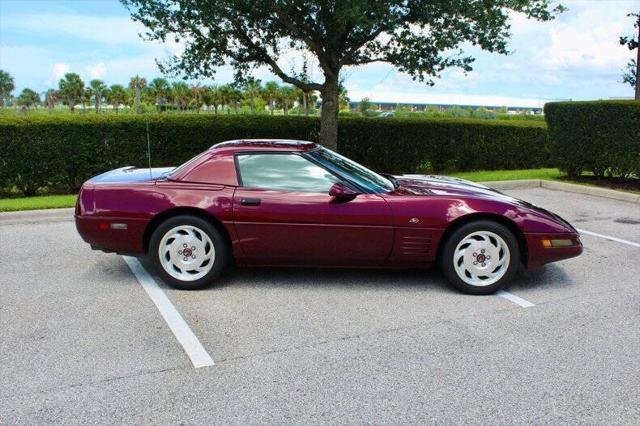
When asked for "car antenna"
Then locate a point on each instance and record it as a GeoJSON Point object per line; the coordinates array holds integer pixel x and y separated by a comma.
{"type": "Point", "coordinates": [149, 150]}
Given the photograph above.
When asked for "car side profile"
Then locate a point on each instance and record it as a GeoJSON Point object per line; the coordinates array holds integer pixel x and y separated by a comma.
{"type": "Point", "coordinates": [296, 203]}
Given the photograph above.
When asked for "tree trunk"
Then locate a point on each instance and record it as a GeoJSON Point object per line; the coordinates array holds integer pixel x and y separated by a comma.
{"type": "Point", "coordinates": [329, 114]}
{"type": "Point", "coordinates": [305, 102]}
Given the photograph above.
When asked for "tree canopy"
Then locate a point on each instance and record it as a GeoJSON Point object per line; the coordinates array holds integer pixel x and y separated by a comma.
{"type": "Point", "coordinates": [71, 88]}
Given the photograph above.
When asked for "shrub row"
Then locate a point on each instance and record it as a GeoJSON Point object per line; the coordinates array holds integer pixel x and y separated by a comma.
{"type": "Point", "coordinates": [602, 137]}
{"type": "Point", "coordinates": [37, 151]}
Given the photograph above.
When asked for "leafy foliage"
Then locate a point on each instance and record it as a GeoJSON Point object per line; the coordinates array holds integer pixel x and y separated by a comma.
{"type": "Point", "coordinates": [7, 86]}
{"type": "Point", "coordinates": [43, 150]}
{"type": "Point", "coordinates": [28, 98]}
{"type": "Point", "coordinates": [71, 88]}
{"type": "Point", "coordinates": [602, 137]}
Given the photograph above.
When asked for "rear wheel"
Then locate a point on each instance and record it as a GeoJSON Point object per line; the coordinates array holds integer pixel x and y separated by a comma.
{"type": "Point", "coordinates": [188, 252]}
{"type": "Point", "coordinates": [480, 257]}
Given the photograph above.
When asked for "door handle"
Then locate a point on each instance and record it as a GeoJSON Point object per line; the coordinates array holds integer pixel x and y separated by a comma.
{"type": "Point", "coordinates": [250, 201]}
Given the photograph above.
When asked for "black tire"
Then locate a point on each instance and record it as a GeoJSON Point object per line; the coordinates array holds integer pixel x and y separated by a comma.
{"type": "Point", "coordinates": [450, 245]}
{"type": "Point", "coordinates": [220, 245]}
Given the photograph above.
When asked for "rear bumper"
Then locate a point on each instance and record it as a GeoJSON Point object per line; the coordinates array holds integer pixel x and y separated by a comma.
{"type": "Point", "coordinates": [538, 254]}
{"type": "Point", "coordinates": [112, 234]}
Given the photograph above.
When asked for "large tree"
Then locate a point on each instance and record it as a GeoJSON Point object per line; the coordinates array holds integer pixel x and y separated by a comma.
{"type": "Point", "coordinates": [71, 88]}
{"type": "Point", "coordinates": [6, 87]}
{"type": "Point", "coordinates": [632, 75]}
{"type": "Point", "coordinates": [419, 37]}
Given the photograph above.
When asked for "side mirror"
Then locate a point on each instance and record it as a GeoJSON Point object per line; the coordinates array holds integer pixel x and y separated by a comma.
{"type": "Point", "coordinates": [342, 192]}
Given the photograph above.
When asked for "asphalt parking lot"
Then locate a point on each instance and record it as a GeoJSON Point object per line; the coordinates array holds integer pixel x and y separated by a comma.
{"type": "Point", "coordinates": [81, 341]}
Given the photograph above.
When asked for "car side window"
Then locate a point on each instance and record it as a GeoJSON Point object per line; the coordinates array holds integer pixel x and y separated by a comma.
{"type": "Point", "coordinates": [283, 172]}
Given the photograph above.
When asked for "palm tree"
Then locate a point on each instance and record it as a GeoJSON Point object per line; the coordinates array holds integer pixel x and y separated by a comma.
{"type": "Point", "coordinates": [6, 87]}
{"type": "Point", "coordinates": [99, 91]}
{"type": "Point", "coordinates": [87, 95]}
{"type": "Point", "coordinates": [117, 95]}
{"type": "Point", "coordinates": [235, 96]}
{"type": "Point", "coordinates": [28, 98]}
{"type": "Point", "coordinates": [198, 97]}
{"type": "Point", "coordinates": [160, 91]}
{"type": "Point", "coordinates": [287, 97]}
{"type": "Point", "coordinates": [181, 94]}
{"type": "Point", "coordinates": [270, 94]}
{"type": "Point", "coordinates": [252, 90]}
{"type": "Point", "coordinates": [225, 97]}
{"type": "Point", "coordinates": [51, 99]}
{"type": "Point", "coordinates": [214, 97]}
{"type": "Point", "coordinates": [137, 84]}
{"type": "Point", "coordinates": [71, 88]}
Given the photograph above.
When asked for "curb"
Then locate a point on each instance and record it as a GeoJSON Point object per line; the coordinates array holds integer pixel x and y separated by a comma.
{"type": "Point", "coordinates": [565, 187]}
{"type": "Point", "coordinates": [35, 216]}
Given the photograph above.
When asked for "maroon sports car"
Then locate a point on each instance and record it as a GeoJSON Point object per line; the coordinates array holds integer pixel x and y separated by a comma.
{"type": "Point", "coordinates": [294, 203]}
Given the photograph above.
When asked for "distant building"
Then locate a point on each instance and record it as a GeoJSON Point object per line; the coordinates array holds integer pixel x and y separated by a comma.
{"type": "Point", "coordinates": [392, 106]}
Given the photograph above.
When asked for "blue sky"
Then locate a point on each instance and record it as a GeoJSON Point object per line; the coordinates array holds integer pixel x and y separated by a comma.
{"type": "Point", "coordinates": [577, 56]}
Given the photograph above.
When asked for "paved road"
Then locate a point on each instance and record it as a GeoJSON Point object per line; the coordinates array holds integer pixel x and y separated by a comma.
{"type": "Point", "coordinates": [82, 342]}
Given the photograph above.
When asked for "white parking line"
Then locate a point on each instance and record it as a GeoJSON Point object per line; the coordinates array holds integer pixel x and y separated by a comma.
{"type": "Point", "coordinates": [515, 299]}
{"type": "Point", "coordinates": [192, 346]}
{"type": "Point", "coordinates": [607, 237]}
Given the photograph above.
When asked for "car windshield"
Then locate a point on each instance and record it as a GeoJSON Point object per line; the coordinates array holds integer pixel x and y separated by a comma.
{"type": "Point", "coordinates": [353, 171]}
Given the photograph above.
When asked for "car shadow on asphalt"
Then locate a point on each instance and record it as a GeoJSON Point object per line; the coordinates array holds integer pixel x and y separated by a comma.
{"type": "Point", "coordinates": [431, 279]}
{"type": "Point", "coordinates": [334, 278]}
{"type": "Point", "coordinates": [552, 276]}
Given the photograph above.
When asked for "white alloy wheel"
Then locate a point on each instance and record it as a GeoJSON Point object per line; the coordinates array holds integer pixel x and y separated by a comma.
{"type": "Point", "coordinates": [481, 258]}
{"type": "Point", "coordinates": [186, 253]}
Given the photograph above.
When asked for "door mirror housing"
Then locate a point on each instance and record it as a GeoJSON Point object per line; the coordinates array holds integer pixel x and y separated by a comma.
{"type": "Point", "coordinates": [342, 192]}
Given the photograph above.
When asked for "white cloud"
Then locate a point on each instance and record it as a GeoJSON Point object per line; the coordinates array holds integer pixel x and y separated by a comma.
{"type": "Point", "coordinates": [59, 70]}
{"type": "Point", "coordinates": [587, 42]}
{"type": "Point", "coordinates": [98, 70]}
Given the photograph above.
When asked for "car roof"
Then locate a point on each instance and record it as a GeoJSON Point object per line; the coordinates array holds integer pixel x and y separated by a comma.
{"type": "Point", "coordinates": [267, 144]}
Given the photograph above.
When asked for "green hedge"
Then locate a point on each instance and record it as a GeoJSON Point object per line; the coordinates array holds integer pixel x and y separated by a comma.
{"type": "Point", "coordinates": [40, 150]}
{"type": "Point", "coordinates": [602, 137]}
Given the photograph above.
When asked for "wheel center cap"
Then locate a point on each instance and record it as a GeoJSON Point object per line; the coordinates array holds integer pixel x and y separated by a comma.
{"type": "Point", "coordinates": [481, 258]}
{"type": "Point", "coordinates": [187, 252]}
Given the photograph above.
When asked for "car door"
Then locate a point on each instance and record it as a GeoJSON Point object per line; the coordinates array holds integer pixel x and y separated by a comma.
{"type": "Point", "coordinates": [283, 214]}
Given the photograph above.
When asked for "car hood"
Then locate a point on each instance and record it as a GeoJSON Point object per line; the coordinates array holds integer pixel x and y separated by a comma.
{"type": "Point", "coordinates": [433, 185]}
{"type": "Point", "coordinates": [442, 185]}
{"type": "Point", "coordinates": [131, 174]}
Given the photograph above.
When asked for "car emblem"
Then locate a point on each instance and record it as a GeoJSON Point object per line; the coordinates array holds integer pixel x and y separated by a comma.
{"type": "Point", "coordinates": [414, 220]}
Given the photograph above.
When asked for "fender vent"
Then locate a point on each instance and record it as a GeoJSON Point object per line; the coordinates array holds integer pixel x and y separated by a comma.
{"type": "Point", "coordinates": [415, 246]}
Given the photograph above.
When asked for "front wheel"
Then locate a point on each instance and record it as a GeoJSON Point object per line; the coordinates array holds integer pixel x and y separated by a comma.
{"type": "Point", "coordinates": [188, 252]}
{"type": "Point", "coordinates": [480, 257]}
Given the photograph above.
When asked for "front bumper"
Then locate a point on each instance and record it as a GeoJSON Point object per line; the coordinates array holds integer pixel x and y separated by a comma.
{"type": "Point", "coordinates": [538, 254]}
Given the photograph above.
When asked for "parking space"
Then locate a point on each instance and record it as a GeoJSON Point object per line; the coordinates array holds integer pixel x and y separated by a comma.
{"type": "Point", "coordinates": [82, 341]}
